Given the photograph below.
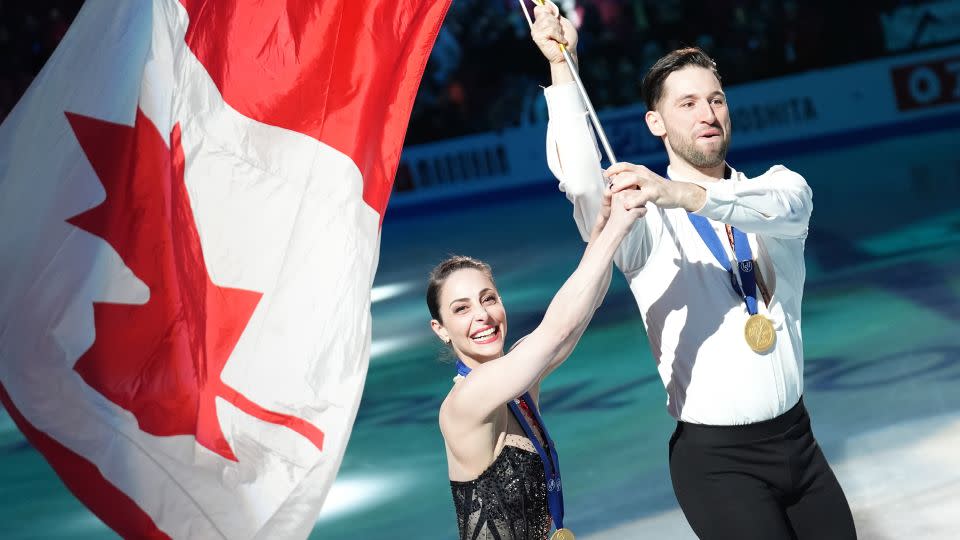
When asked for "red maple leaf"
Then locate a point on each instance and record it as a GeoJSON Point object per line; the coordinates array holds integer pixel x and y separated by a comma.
{"type": "Point", "coordinates": [162, 360]}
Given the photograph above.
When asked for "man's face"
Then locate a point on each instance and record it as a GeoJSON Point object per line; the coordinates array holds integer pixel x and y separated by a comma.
{"type": "Point", "coordinates": [695, 116]}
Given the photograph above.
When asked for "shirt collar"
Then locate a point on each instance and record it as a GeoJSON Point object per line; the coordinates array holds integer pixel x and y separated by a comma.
{"type": "Point", "coordinates": [732, 174]}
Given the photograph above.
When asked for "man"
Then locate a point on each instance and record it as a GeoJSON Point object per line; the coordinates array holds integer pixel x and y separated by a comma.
{"type": "Point", "coordinates": [717, 270]}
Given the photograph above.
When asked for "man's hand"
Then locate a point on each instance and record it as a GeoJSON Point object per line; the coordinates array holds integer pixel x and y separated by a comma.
{"type": "Point", "coordinates": [654, 188]}
{"type": "Point", "coordinates": [550, 30]}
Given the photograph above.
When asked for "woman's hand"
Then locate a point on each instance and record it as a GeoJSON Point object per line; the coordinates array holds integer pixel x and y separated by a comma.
{"type": "Point", "coordinates": [625, 207]}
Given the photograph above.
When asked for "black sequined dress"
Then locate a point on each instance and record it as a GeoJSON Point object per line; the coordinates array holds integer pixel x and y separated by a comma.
{"type": "Point", "coordinates": [508, 501]}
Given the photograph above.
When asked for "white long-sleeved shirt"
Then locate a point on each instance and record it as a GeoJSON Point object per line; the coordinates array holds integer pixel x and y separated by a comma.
{"type": "Point", "coordinates": [693, 317]}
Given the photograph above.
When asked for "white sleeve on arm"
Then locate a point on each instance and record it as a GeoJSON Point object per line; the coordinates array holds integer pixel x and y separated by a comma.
{"type": "Point", "coordinates": [776, 204]}
{"type": "Point", "coordinates": [574, 159]}
{"type": "Point", "coordinates": [572, 154]}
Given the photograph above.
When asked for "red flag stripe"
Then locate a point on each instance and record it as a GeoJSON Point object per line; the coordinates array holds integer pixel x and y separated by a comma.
{"type": "Point", "coordinates": [296, 424]}
{"type": "Point", "coordinates": [111, 505]}
{"type": "Point", "coordinates": [275, 62]}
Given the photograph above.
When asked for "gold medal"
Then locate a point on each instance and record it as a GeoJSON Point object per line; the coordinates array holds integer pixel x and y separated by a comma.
{"type": "Point", "coordinates": [759, 333]}
{"type": "Point", "coordinates": [562, 534]}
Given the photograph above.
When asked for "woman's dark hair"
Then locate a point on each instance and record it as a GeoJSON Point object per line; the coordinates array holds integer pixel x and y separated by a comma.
{"type": "Point", "coordinates": [652, 87]}
{"type": "Point", "coordinates": [443, 270]}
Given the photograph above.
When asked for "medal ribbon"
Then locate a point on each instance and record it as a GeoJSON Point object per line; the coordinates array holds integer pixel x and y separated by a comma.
{"type": "Point", "coordinates": [741, 248]}
{"type": "Point", "coordinates": [548, 455]}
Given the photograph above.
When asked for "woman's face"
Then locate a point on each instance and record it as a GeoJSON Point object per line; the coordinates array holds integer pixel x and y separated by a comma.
{"type": "Point", "coordinates": [473, 318]}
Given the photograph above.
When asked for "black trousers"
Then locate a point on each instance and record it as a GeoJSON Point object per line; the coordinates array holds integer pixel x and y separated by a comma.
{"type": "Point", "coordinates": [763, 481]}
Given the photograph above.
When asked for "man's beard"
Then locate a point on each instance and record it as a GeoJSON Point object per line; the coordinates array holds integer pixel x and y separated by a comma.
{"type": "Point", "coordinates": [687, 149]}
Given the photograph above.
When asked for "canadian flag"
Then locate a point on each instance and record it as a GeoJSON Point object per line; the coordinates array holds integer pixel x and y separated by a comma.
{"type": "Point", "coordinates": [191, 195]}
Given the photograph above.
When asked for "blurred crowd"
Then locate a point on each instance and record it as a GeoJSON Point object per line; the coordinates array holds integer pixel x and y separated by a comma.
{"type": "Point", "coordinates": [485, 73]}
{"type": "Point", "coordinates": [29, 32]}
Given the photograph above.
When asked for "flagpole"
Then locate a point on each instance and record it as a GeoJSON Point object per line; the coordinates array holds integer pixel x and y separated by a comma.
{"type": "Point", "coordinates": [583, 91]}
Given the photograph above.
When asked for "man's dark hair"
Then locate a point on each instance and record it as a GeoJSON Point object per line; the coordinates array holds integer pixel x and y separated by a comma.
{"type": "Point", "coordinates": [652, 87]}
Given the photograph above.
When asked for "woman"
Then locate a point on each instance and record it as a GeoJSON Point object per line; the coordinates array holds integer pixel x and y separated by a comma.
{"type": "Point", "coordinates": [502, 465]}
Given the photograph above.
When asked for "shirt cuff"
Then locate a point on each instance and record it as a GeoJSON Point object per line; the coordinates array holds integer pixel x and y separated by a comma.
{"type": "Point", "coordinates": [720, 199]}
{"type": "Point", "coordinates": [563, 99]}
